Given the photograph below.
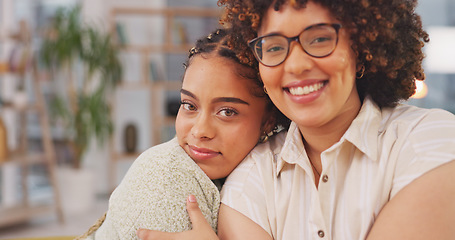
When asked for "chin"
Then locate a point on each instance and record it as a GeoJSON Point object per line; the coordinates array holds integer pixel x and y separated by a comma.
{"type": "Point", "coordinates": [215, 176]}
{"type": "Point", "coordinates": [207, 172]}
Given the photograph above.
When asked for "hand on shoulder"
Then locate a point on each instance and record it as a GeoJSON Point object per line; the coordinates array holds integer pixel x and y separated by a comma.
{"type": "Point", "coordinates": [201, 228]}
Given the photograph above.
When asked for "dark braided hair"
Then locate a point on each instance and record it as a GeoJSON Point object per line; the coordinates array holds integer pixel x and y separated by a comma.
{"type": "Point", "coordinates": [216, 43]}
{"type": "Point", "coordinates": [386, 35]}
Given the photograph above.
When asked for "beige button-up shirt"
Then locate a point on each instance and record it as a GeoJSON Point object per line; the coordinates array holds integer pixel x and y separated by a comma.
{"type": "Point", "coordinates": [381, 152]}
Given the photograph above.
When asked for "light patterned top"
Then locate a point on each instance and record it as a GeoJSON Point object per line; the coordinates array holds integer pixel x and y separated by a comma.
{"type": "Point", "coordinates": [153, 194]}
{"type": "Point", "coordinates": [382, 151]}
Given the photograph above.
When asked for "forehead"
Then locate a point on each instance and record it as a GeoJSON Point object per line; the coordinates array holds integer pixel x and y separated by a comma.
{"type": "Point", "coordinates": [279, 21]}
{"type": "Point", "coordinates": [217, 76]}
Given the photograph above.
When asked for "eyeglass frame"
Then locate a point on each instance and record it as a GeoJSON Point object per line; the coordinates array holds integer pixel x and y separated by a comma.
{"type": "Point", "coordinates": [252, 43]}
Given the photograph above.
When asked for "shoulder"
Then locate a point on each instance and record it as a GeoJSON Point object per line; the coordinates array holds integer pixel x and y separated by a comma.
{"type": "Point", "coordinates": [417, 140]}
{"type": "Point", "coordinates": [168, 156]}
{"type": "Point", "coordinates": [154, 191]}
{"type": "Point", "coordinates": [414, 117]}
{"type": "Point", "coordinates": [169, 151]}
{"type": "Point", "coordinates": [262, 157]}
{"type": "Point", "coordinates": [259, 164]}
{"type": "Point", "coordinates": [248, 187]}
{"type": "Point", "coordinates": [414, 127]}
{"type": "Point", "coordinates": [164, 167]}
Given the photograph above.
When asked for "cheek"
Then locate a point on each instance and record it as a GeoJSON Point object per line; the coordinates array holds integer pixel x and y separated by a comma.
{"type": "Point", "coordinates": [182, 126]}
{"type": "Point", "coordinates": [344, 63]}
{"type": "Point", "coordinates": [243, 137]}
{"type": "Point", "coordinates": [340, 68]}
{"type": "Point", "coordinates": [270, 76]}
{"type": "Point", "coordinates": [243, 133]}
{"type": "Point", "coordinates": [251, 132]}
{"type": "Point", "coordinates": [348, 64]}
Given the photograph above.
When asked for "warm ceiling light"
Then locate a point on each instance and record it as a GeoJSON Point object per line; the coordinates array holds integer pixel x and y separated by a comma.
{"type": "Point", "coordinates": [421, 90]}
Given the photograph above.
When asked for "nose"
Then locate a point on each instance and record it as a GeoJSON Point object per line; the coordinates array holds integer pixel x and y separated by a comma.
{"type": "Point", "coordinates": [203, 128]}
{"type": "Point", "coordinates": [298, 61]}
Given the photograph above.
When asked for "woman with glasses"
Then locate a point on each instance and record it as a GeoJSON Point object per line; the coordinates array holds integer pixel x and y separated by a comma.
{"type": "Point", "coordinates": [355, 163]}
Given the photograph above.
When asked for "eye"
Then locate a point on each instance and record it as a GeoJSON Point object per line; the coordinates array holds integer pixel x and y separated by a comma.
{"type": "Point", "coordinates": [273, 44]}
{"type": "Point", "coordinates": [227, 112]}
{"type": "Point", "coordinates": [275, 48]}
{"type": "Point", "coordinates": [188, 106]}
{"type": "Point", "coordinates": [320, 39]}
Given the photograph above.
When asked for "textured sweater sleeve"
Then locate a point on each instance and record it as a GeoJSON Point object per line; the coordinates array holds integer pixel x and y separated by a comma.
{"type": "Point", "coordinates": [153, 195]}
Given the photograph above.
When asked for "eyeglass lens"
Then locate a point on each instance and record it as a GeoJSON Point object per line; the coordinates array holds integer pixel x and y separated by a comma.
{"type": "Point", "coordinates": [316, 41]}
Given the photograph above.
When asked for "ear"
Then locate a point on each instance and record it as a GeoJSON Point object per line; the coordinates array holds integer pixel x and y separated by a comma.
{"type": "Point", "coordinates": [359, 66]}
{"type": "Point", "coordinates": [268, 123]}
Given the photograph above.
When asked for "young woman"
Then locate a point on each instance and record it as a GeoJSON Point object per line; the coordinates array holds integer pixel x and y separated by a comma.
{"type": "Point", "coordinates": [224, 113]}
{"type": "Point", "coordinates": [355, 163]}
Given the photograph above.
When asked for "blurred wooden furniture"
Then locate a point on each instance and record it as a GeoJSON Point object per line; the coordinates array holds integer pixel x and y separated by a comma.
{"type": "Point", "coordinates": [23, 158]}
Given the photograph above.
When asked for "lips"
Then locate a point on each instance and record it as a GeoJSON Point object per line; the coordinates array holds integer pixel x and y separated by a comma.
{"type": "Point", "coordinates": [201, 154]}
{"type": "Point", "coordinates": [306, 89]}
{"type": "Point", "coordinates": [303, 92]}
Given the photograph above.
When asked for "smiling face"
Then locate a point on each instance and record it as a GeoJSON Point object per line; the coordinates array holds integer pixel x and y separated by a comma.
{"type": "Point", "coordinates": [219, 120]}
{"type": "Point", "coordinates": [316, 93]}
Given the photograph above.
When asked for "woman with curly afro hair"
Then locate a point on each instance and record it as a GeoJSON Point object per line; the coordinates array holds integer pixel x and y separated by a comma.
{"type": "Point", "coordinates": [355, 163]}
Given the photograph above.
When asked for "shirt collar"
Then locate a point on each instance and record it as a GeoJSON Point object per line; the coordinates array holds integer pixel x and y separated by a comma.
{"type": "Point", "coordinates": [365, 129]}
{"type": "Point", "coordinates": [362, 133]}
{"type": "Point", "coordinates": [293, 150]}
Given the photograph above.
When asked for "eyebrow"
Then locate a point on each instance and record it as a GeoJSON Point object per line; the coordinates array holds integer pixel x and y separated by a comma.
{"type": "Point", "coordinates": [188, 93]}
{"type": "Point", "coordinates": [216, 100]}
{"type": "Point", "coordinates": [230, 99]}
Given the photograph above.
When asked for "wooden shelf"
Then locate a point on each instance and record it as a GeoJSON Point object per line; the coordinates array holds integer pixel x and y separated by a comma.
{"type": "Point", "coordinates": [167, 121]}
{"type": "Point", "coordinates": [3, 67]}
{"type": "Point", "coordinates": [168, 85]}
{"type": "Point", "coordinates": [127, 156]}
{"type": "Point", "coordinates": [137, 85]}
{"type": "Point", "coordinates": [20, 213]}
{"type": "Point", "coordinates": [170, 12]}
{"type": "Point", "coordinates": [165, 48]}
{"type": "Point", "coordinates": [24, 157]}
{"type": "Point", "coordinates": [27, 108]}
{"type": "Point", "coordinates": [28, 159]}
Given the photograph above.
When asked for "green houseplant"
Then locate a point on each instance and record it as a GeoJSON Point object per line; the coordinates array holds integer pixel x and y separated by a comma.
{"type": "Point", "coordinates": [84, 65]}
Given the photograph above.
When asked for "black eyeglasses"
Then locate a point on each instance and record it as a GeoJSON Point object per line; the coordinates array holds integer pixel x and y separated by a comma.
{"type": "Point", "coordinates": [317, 40]}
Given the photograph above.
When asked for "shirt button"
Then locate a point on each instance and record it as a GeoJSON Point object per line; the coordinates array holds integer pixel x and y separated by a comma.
{"type": "Point", "coordinates": [321, 233]}
{"type": "Point", "coordinates": [325, 178]}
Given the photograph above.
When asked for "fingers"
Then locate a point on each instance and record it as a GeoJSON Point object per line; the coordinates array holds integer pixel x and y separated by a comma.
{"type": "Point", "coordinates": [142, 234]}
{"type": "Point", "coordinates": [201, 228]}
{"type": "Point", "coordinates": [145, 234]}
{"type": "Point", "coordinates": [197, 219]}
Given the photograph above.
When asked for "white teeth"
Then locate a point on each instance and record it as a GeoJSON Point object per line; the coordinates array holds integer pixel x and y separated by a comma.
{"type": "Point", "coordinates": [306, 90]}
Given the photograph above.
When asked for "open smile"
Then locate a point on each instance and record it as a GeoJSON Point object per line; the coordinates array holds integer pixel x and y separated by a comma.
{"type": "Point", "coordinates": [305, 93]}
{"type": "Point", "coordinates": [306, 90]}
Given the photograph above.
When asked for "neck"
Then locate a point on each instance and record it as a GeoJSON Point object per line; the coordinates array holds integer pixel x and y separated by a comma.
{"type": "Point", "coordinates": [319, 139]}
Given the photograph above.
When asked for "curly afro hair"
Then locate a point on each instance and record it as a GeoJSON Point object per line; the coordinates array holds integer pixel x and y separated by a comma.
{"type": "Point", "coordinates": [387, 38]}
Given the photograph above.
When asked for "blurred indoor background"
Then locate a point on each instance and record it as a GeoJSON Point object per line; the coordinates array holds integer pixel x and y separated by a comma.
{"type": "Point", "coordinates": [72, 122]}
